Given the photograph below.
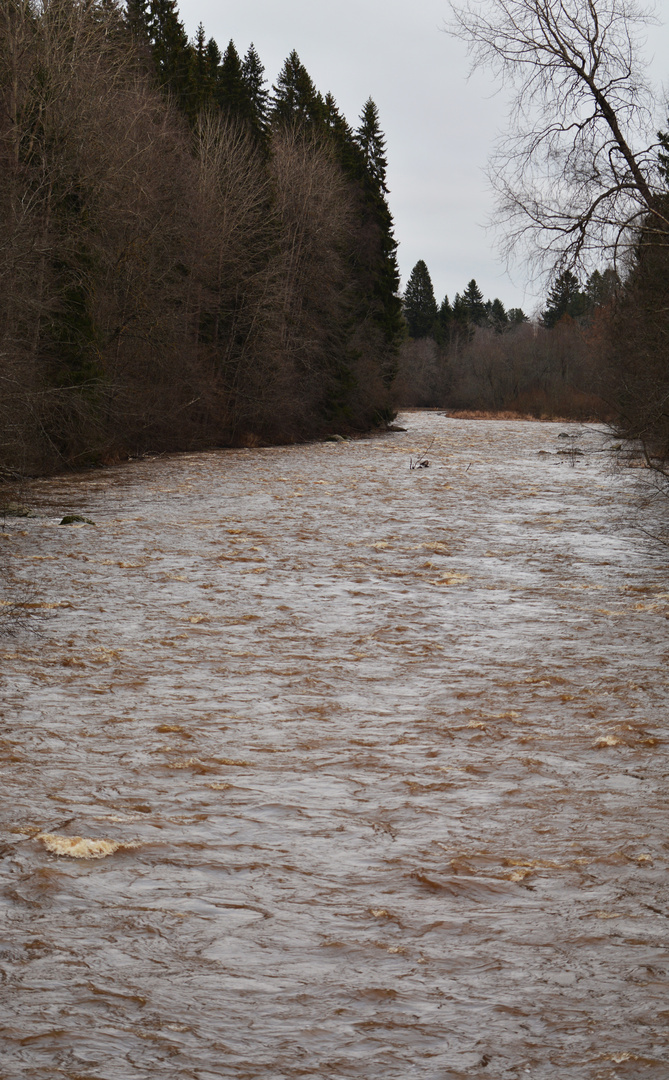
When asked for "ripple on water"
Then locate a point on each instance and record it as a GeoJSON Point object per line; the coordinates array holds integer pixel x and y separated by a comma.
{"type": "Point", "coordinates": [376, 757]}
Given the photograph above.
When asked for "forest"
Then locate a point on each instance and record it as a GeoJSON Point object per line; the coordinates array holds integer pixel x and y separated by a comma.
{"type": "Point", "coordinates": [187, 258]}
{"type": "Point", "coordinates": [597, 351]}
{"type": "Point", "coordinates": [474, 355]}
{"type": "Point", "coordinates": [190, 257]}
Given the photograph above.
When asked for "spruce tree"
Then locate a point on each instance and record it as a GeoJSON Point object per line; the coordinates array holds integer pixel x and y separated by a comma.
{"type": "Point", "coordinates": [253, 74]}
{"type": "Point", "coordinates": [460, 329]}
{"type": "Point", "coordinates": [371, 141]}
{"type": "Point", "coordinates": [459, 310]}
{"type": "Point", "coordinates": [601, 288]}
{"type": "Point", "coordinates": [172, 54]}
{"type": "Point", "coordinates": [137, 19]}
{"type": "Point", "coordinates": [202, 87]}
{"type": "Point", "coordinates": [474, 307]}
{"type": "Point", "coordinates": [497, 316]}
{"type": "Point", "coordinates": [213, 58]}
{"type": "Point", "coordinates": [445, 317]}
{"type": "Point", "coordinates": [232, 91]}
{"type": "Point", "coordinates": [295, 98]}
{"type": "Point", "coordinates": [420, 306]}
{"type": "Point", "coordinates": [337, 126]}
{"type": "Point", "coordinates": [564, 298]}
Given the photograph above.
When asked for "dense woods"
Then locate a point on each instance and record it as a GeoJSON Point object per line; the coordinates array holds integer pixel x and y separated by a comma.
{"type": "Point", "coordinates": [598, 350]}
{"type": "Point", "coordinates": [476, 355]}
{"type": "Point", "coordinates": [186, 257]}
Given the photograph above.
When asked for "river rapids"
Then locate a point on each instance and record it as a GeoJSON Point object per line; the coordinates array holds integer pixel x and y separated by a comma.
{"type": "Point", "coordinates": [316, 766]}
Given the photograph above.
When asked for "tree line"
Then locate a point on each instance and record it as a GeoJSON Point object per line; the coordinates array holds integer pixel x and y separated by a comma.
{"type": "Point", "coordinates": [457, 320]}
{"type": "Point", "coordinates": [598, 350]}
{"type": "Point", "coordinates": [476, 355]}
{"type": "Point", "coordinates": [188, 257]}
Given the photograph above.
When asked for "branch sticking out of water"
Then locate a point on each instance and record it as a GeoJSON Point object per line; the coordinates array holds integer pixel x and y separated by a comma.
{"type": "Point", "coordinates": [421, 461]}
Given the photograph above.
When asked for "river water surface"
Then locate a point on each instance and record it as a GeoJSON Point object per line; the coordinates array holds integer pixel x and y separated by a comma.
{"type": "Point", "coordinates": [320, 767]}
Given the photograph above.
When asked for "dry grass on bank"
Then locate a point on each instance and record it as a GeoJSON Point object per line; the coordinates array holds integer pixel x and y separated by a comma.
{"type": "Point", "coordinates": [507, 414]}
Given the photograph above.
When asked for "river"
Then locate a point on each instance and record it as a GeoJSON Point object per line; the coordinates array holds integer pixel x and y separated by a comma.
{"type": "Point", "coordinates": [316, 766]}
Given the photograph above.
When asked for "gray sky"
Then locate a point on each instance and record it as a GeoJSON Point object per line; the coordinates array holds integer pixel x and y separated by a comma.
{"type": "Point", "coordinates": [439, 127]}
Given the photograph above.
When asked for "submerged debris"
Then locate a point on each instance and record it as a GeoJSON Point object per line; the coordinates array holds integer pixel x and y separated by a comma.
{"type": "Point", "coordinates": [421, 461]}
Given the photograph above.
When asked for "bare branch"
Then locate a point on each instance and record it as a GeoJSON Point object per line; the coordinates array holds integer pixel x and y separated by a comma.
{"type": "Point", "coordinates": [577, 170]}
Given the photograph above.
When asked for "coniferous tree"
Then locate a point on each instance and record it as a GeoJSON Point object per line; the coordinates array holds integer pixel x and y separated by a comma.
{"type": "Point", "coordinates": [371, 141]}
{"type": "Point", "coordinates": [232, 91]}
{"type": "Point", "coordinates": [213, 61]}
{"type": "Point", "coordinates": [387, 304]}
{"type": "Point", "coordinates": [172, 54]}
{"type": "Point", "coordinates": [497, 315]}
{"type": "Point", "coordinates": [600, 288]}
{"type": "Point", "coordinates": [638, 347]}
{"type": "Point", "coordinates": [137, 18]}
{"type": "Point", "coordinates": [445, 318]}
{"type": "Point", "coordinates": [295, 99]}
{"type": "Point", "coordinates": [420, 306]}
{"type": "Point", "coordinates": [564, 298]}
{"type": "Point", "coordinates": [460, 312]}
{"type": "Point", "coordinates": [202, 85]}
{"type": "Point", "coordinates": [342, 138]}
{"type": "Point", "coordinates": [253, 74]}
{"type": "Point", "coordinates": [474, 307]}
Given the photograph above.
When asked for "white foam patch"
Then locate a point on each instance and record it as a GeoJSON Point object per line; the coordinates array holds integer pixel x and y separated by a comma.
{"type": "Point", "coordinates": [81, 847]}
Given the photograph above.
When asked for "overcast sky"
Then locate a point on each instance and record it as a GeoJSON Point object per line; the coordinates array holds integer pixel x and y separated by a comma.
{"type": "Point", "coordinates": [439, 127]}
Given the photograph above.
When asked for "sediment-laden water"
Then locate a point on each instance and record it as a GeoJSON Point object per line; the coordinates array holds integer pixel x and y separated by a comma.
{"type": "Point", "coordinates": [320, 767]}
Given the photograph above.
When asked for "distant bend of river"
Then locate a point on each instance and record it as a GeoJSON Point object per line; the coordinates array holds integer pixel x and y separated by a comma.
{"type": "Point", "coordinates": [321, 767]}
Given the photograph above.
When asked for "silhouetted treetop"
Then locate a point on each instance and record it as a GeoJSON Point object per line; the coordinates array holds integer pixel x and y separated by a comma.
{"type": "Point", "coordinates": [372, 142]}
{"type": "Point", "coordinates": [420, 306]}
{"type": "Point", "coordinates": [295, 99]}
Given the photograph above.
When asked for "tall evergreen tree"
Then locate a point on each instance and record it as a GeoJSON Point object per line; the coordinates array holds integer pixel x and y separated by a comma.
{"type": "Point", "coordinates": [172, 54]}
{"type": "Point", "coordinates": [499, 320]}
{"type": "Point", "coordinates": [233, 93]}
{"type": "Point", "coordinates": [202, 85]}
{"type": "Point", "coordinates": [343, 140]}
{"type": "Point", "coordinates": [445, 315]}
{"type": "Point", "coordinates": [253, 74]}
{"type": "Point", "coordinates": [388, 306]}
{"type": "Point", "coordinates": [371, 141]}
{"type": "Point", "coordinates": [137, 18]}
{"type": "Point", "coordinates": [459, 311]}
{"type": "Point", "coordinates": [601, 288]}
{"type": "Point", "coordinates": [420, 306]}
{"type": "Point", "coordinates": [638, 348]}
{"type": "Point", "coordinates": [336, 123]}
{"type": "Point", "coordinates": [564, 298]}
{"type": "Point", "coordinates": [474, 307]}
{"type": "Point", "coordinates": [213, 61]}
{"type": "Point", "coordinates": [295, 98]}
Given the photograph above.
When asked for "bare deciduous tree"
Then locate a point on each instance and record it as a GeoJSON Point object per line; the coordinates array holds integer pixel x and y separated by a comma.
{"type": "Point", "coordinates": [576, 174]}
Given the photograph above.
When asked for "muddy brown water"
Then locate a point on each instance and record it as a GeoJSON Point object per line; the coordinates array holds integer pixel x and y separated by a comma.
{"type": "Point", "coordinates": [367, 767]}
